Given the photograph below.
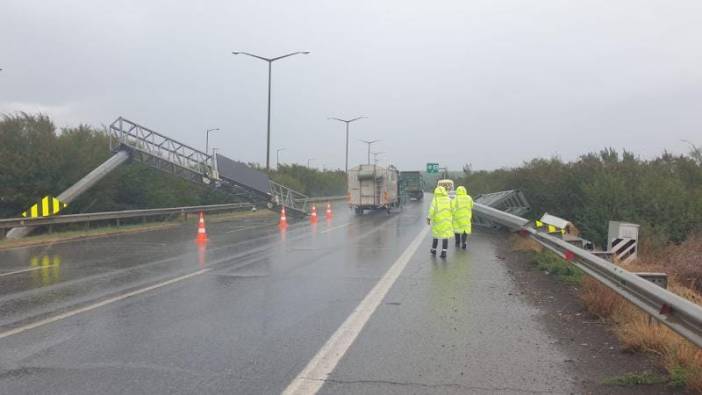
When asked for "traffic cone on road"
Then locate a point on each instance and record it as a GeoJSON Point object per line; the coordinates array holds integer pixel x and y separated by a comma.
{"type": "Point", "coordinates": [201, 232]}
{"type": "Point", "coordinates": [329, 214]}
{"type": "Point", "coordinates": [313, 216]}
{"type": "Point", "coordinates": [283, 219]}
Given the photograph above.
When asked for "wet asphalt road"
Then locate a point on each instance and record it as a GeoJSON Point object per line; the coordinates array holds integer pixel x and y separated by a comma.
{"type": "Point", "coordinates": [246, 313]}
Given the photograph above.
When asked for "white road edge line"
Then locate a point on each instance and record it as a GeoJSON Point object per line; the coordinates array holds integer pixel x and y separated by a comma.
{"type": "Point", "coordinates": [25, 270]}
{"type": "Point", "coordinates": [97, 305]}
{"type": "Point", "coordinates": [314, 375]}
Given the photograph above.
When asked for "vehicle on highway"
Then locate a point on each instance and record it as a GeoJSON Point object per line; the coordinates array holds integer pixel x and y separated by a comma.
{"type": "Point", "coordinates": [413, 184]}
{"type": "Point", "coordinates": [373, 187]}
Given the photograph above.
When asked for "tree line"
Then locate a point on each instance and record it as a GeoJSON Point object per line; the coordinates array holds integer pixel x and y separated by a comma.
{"type": "Point", "coordinates": [37, 159]}
{"type": "Point", "coordinates": [663, 195]}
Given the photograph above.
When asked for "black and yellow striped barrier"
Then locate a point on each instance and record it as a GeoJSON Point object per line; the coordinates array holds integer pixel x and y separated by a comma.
{"type": "Point", "coordinates": [549, 228]}
{"type": "Point", "coordinates": [46, 207]}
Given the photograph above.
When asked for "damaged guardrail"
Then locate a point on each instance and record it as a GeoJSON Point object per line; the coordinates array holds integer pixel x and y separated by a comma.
{"type": "Point", "coordinates": [677, 313]}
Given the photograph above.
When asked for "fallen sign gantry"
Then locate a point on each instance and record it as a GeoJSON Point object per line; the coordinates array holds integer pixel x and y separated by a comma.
{"type": "Point", "coordinates": [677, 313]}
{"type": "Point", "coordinates": [129, 140]}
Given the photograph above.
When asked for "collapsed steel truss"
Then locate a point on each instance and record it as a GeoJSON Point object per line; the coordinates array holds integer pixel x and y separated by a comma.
{"type": "Point", "coordinates": [163, 153]}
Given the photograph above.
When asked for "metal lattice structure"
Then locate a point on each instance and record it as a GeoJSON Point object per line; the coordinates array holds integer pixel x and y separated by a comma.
{"type": "Point", "coordinates": [159, 151]}
{"type": "Point", "coordinates": [513, 202]}
{"type": "Point", "coordinates": [171, 156]}
{"type": "Point", "coordinates": [284, 196]}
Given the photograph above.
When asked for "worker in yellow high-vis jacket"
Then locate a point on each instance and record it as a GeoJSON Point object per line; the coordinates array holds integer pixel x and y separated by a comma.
{"type": "Point", "coordinates": [440, 220]}
{"type": "Point", "coordinates": [462, 213]}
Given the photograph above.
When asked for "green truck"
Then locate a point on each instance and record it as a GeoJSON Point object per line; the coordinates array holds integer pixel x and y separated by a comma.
{"type": "Point", "coordinates": [412, 184]}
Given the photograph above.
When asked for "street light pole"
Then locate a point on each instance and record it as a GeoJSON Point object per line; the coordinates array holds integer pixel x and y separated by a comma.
{"type": "Point", "coordinates": [207, 140]}
{"type": "Point", "coordinates": [308, 162]}
{"type": "Point", "coordinates": [270, 64]}
{"type": "Point", "coordinates": [369, 147]}
{"type": "Point", "coordinates": [347, 122]}
{"type": "Point", "coordinates": [277, 156]}
{"type": "Point", "coordinates": [375, 156]}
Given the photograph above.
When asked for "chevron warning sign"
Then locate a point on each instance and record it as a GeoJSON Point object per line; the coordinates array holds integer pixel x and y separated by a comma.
{"type": "Point", "coordinates": [549, 228]}
{"type": "Point", "coordinates": [46, 207]}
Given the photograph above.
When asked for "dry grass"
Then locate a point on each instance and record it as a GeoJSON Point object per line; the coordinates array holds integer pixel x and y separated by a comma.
{"type": "Point", "coordinates": [109, 230]}
{"type": "Point", "coordinates": [636, 332]}
{"type": "Point", "coordinates": [682, 359]}
{"type": "Point", "coordinates": [524, 244]}
{"type": "Point", "coordinates": [683, 260]}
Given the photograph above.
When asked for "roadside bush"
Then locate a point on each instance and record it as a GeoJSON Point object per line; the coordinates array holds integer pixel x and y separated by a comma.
{"type": "Point", "coordinates": [663, 195]}
{"type": "Point", "coordinates": [311, 182]}
{"type": "Point", "coordinates": [37, 160]}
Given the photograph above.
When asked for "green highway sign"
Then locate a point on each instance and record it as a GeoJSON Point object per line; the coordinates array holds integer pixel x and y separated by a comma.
{"type": "Point", "coordinates": [432, 167]}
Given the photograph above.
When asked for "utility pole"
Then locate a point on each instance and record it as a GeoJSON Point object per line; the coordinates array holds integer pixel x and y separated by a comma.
{"type": "Point", "coordinates": [270, 63]}
{"type": "Point", "coordinates": [369, 147]}
{"type": "Point", "coordinates": [347, 122]}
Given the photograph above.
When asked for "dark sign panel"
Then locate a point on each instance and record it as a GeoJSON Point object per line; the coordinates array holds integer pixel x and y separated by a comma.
{"type": "Point", "coordinates": [242, 174]}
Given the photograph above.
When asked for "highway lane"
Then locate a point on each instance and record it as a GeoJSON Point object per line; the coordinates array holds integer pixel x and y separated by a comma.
{"type": "Point", "coordinates": [258, 306]}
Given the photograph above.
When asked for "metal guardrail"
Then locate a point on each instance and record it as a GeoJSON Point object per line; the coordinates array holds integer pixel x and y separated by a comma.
{"type": "Point", "coordinates": [107, 215]}
{"type": "Point", "coordinates": [325, 198]}
{"type": "Point", "coordinates": [677, 313]}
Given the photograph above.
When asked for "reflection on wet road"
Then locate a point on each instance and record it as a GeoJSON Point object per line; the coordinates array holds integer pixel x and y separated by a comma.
{"type": "Point", "coordinates": [248, 310]}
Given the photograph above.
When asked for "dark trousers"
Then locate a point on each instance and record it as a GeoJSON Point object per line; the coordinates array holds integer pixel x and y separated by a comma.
{"type": "Point", "coordinates": [435, 242]}
{"type": "Point", "coordinates": [461, 237]}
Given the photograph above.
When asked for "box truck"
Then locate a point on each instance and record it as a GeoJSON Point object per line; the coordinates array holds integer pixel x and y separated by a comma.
{"type": "Point", "coordinates": [372, 187]}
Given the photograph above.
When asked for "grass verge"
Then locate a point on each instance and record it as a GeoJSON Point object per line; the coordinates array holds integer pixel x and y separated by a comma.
{"type": "Point", "coordinates": [631, 379]}
{"type": "Point", "coordinates": [105, 231]}
{"type": "Point", "coordinates": [552, 264]}
{"type": "Point", "coordinates": [680, 358]}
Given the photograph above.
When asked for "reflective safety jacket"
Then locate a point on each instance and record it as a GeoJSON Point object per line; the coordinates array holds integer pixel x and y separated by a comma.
{"type": "Point", "coordinates": [462, 211]}
{"type": "Point", "coordinates": [440, 215]}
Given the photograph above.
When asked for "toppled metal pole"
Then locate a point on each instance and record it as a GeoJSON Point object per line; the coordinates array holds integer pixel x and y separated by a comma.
{"type": "Point", "coordinates": [79, 187]}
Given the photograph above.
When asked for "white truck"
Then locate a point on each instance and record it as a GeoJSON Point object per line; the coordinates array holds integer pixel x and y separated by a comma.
{"type": "Point", "coordinates": [372, 187]}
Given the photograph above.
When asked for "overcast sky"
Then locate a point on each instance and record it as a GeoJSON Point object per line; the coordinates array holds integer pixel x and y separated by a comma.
{"type": "Point", "coordinates": [491, 83]}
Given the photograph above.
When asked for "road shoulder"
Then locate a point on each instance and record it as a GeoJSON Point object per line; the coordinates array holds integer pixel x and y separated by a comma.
{"type": "Point", "coordinates": [594, 353]}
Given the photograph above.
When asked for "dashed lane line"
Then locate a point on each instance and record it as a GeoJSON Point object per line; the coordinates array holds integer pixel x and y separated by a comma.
{"type": "Point", "coordinates": [94, 306]}
{"type": "Point", "coordinates": [25, 270]}
{"type": "Point", "coordinates": [335, 228]}
{"type": "Point", "coordinates": [99, 304]}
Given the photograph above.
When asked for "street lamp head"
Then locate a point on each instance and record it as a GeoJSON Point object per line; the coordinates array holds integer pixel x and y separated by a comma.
{"type": "Point", "coordinates": [346, 120]}
{"type": "Point", "coordinates": [305, 52]}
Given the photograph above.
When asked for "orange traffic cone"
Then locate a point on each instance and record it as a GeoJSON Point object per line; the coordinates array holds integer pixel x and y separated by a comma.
{"type": "Point", "coordinates": [201, 232]}
{"type": "Point", "coordinates": [283, 219]}
{"type": "Point", "coordinates": [313, 216]}
{"type": "Point", "coordinates": [329, 214]}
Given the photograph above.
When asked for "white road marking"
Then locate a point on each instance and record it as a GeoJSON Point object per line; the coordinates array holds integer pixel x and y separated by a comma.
{"type": "Point", "coordinates": [334, 228]}
{"type": "Point", "coordinates": [313, 376]}
{"type": "Point", "coordinates": [99, 304]}
{"type": "Point", "coordinates": [25, 270]}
